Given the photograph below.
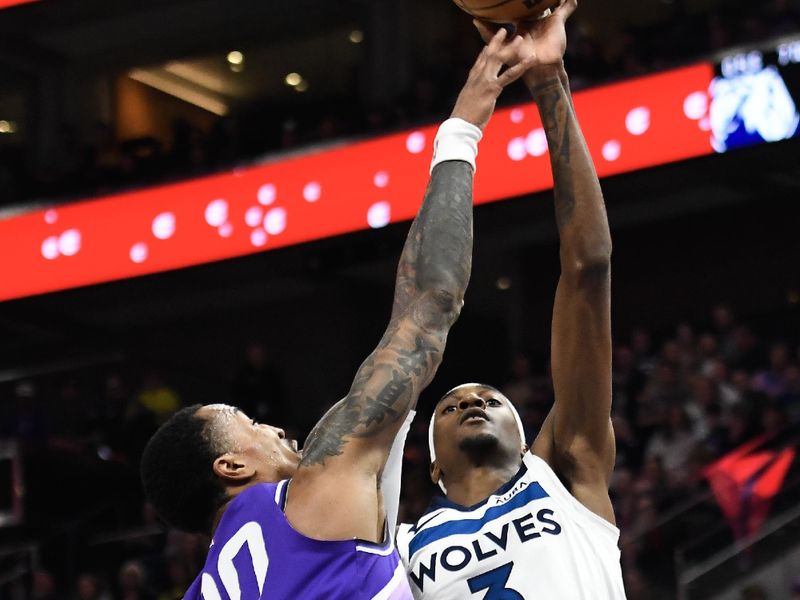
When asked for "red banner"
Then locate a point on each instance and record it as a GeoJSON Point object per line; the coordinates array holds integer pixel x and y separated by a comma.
{"type": "Point", "coordinates": [631, 125]}
{"type": "Point", "coordinates": [9, 3]}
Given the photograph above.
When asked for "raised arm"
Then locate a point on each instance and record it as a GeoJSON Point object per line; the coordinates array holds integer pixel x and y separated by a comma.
{"type": "Point", "coordinates": [346, 451]}
{"type": "Point", "coordinates": [577, 439]}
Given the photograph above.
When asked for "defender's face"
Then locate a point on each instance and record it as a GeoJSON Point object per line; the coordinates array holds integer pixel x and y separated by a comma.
{"type": "Point", "coordinates": [264, 447]}
{"type": "Point", "coordinates": [473, 413]}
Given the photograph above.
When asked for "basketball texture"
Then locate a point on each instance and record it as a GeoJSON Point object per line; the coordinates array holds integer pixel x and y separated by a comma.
{"type": "Point", "coordinates": [505, 11]}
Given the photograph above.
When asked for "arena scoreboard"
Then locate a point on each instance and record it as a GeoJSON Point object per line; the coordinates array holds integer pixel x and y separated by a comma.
{"type": "Point", "coordinates": [747, 97]}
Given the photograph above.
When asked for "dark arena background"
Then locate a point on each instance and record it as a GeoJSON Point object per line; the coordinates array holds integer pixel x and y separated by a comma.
{"type": "Point", "coordinates": [204, 201]}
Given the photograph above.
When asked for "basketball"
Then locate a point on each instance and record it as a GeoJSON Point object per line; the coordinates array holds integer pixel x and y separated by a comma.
{"type": "Point", "coordinates": [506, 11]}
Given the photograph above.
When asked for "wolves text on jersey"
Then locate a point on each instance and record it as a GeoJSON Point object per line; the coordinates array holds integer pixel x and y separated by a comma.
{"type": "Point", "coordinates": [457, 557]}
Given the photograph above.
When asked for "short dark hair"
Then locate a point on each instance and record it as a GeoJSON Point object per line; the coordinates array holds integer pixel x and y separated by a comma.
{"type": "Point", "coordinates": [177, 473]}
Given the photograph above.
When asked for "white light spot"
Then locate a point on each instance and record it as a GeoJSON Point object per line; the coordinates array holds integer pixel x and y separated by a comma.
{"type": "Point", "coordinates": [267, 194]}
{"type": "Point", "coordinates": [415, 143]}
{"type": "Point", "coordinates": [517, 115]}
{"type": "Point", "coordinates": [69, 242]}
{"type": "Point", "coordinates": [312, 191]}
{"type": "Point", "coordinates": [381, 179]}
{"type": "Point", "coordinates": [705, 124]}
{"type": "Point", "coordinates": [139, 252]}
{"type": "Point", "coordinates": [50, 216]}
{"type": "Point", "coordinates": [516, 149]}
{"type": "Point", "coordinates": [225, 230]}
{"type": "Point", "coordinates": [275, 221]}
{"type": "Point", "coordinates": [164, 226]}
{"type": "Point", "coordinates": [612, 150]}
{"type": "Point", "coordinates": [696, 105]}
{"type": "Point", "coordinates": [379, 215]}
{"type": "Point", "coordinates": [217, 212]}
{"type": "Point", "coordinates": [50, 248]}
{"type": "Point", "coordinates": [638, 121]}
{"type": "Point", "coordinates": [253, 216]}
{"type": "Point", "coordinates": [258, 238]}
{"type": "Point", "coordinates": [536, 142]}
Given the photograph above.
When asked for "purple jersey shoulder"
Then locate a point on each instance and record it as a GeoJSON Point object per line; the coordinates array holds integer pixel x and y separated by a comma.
{"type": "Point", "coordinates": [257, 554]}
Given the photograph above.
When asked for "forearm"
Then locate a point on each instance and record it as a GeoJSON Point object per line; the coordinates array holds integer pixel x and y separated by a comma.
{"type": "Point", "coordinates": [437, 257]}
{"type": "Point", "coordinates": [580, 210]}
{"type": "Point", "coordinates": [432, 277]}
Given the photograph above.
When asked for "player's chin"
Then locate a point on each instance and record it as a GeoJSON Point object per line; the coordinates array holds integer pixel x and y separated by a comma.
{"type": "Point", "coordinates": [478, 440]}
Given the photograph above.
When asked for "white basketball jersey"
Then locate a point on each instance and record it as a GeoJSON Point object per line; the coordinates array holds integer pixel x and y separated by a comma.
{"type": "Point", "coordinates": [531, 540]}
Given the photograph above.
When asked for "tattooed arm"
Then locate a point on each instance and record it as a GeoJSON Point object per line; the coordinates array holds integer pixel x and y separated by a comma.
{"type": "Point", "coordinates": [334, 494]}
{"type": "Point", "coordinates": [577, 439]}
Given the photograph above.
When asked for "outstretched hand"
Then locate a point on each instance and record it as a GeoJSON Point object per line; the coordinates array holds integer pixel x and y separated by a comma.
{"type": "Point", "coordinates": [544, 41]}
{"type": "Point", "coordinates": [485, 82]}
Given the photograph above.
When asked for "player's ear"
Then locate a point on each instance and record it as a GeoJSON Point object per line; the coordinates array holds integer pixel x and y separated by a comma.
{"type": "Point", "coordinates": [233, 469]}
{"type": "Point", "coordinates": [436, 472]}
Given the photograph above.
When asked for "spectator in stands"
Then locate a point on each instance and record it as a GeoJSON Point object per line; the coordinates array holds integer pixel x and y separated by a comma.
{"type": "Point", "coordinates": [724, 323]}
{"type": "Point", "coordinates": [90, 587]}
{"type": "Point", "coordinates": [796, 589]}
{"type": "Point", "coordinates": [673, 443]}
{"type": "Point", "coordinates": [772, 381]}
{"type": "Point", "coordinates": [43, 586]}
{"type": "Point", "coordinates": [132, 582]}
{"type": "Point", "coordinates": [179, 578]}
{"type": "Point", "coordinates": [156, 398]}
{"type": "Point", "coordinates": [27, 419]}
{"type": "Point", "coordinates": [754, 592]}
{"type": "Point", "coordinates": [663, 390]}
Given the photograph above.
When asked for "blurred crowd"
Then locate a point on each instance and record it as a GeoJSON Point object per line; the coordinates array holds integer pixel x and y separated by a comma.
{"type": "Point", "coordinates": [681, 401]}
{"type": "Point", "coordinates": [101, 162]}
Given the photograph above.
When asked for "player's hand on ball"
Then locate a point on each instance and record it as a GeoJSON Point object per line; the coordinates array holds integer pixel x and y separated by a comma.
{"type": "Point", "coordinates": [476, 102]}
{"type": "Point", "coordinates": [544, 41]}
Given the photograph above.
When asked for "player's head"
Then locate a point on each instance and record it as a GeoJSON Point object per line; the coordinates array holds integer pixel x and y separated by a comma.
{"type": "Point", "coordinates": [473, 424]}
{"type": "Point", "coordinates": [204, 455]}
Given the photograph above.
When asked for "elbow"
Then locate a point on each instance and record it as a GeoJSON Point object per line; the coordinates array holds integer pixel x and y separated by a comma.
{"type": "Point", "coordinates": [448, 303]}
{"type": "Point", "coordinates": [591, 265]}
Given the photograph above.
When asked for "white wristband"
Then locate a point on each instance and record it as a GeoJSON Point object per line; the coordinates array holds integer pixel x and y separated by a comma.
{"type": "Point", "coordinates": [456, 140]}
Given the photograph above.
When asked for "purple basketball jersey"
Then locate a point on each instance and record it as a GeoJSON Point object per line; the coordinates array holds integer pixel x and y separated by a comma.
{"type": "Point", "coordinates": [257, 554]}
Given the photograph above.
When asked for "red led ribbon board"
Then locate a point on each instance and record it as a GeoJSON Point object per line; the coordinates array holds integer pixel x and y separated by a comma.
{"type": "Point", "coordinates": [628, 126]}
{"type": "Point", "coordinates": [10, 3]}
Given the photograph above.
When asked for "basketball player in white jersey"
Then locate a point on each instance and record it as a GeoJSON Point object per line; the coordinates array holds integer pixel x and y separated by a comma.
{"type": "Point", "coordinates": [534, 523]}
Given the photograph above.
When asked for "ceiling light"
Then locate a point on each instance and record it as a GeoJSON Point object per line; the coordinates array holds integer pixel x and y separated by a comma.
{"type": "Point", "coordinates": [293, 79]}
{"type": "Point", "coordinates": [356, 36]}
{"type": "Point", "coordinates": [7, 127]}
{"type": "Point", "coordinates": [302, 86]}
{"type": "Point", "coordinates": [235, 57]}
{"type": "Point", "coordinates": [184, 90]}
{"type": "Point", "coordinates": [503, 283]}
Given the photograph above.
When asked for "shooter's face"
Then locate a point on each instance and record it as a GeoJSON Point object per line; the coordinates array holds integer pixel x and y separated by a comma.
{"type": "Point", "coordinates": [256, 448]}
{"type": "Point", "coordinates": [470, 418]}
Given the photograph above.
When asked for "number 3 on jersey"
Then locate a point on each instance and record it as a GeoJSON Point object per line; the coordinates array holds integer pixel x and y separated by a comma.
{"type": "Point", "coordinates": [495, 581]}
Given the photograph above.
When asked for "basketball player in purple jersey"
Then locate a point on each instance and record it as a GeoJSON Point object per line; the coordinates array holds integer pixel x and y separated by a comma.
{"type": "Point", "coordinates": [313, 525]}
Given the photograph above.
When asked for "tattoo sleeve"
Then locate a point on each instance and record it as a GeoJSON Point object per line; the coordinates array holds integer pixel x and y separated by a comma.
{"type": "Point", "coordinates": [579, 207]}
{"type": "Point", "coordinates": [431, 281]}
